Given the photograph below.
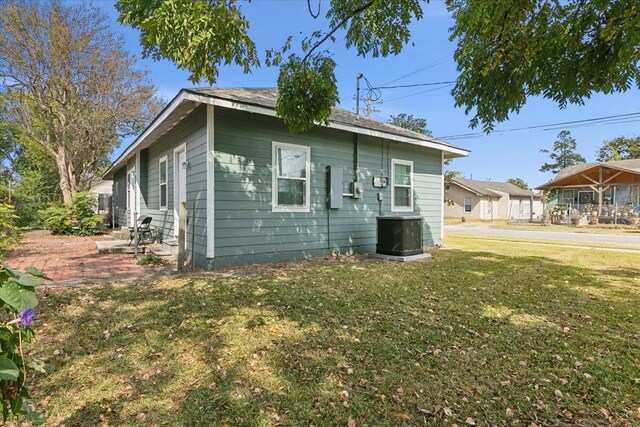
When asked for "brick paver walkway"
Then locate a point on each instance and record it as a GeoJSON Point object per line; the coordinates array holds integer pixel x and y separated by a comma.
{"type": "Point", "coordinates": [69, 259]}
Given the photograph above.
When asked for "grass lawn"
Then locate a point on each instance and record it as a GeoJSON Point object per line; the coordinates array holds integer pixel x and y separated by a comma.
{"type": "Point", "coordinates": [484, 333]}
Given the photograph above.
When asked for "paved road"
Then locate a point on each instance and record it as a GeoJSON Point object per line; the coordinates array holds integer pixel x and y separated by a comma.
{"type": "Point", "coordinates": [632, 240]}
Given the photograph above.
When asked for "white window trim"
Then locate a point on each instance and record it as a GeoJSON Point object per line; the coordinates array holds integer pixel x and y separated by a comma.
{"type": "Point", "coordinates": [395, 208]}
{"type": "Point", "coordinates": [464, 204]}
{"type": "Point", "coordinates": [573, 194]}
{"type": "Point", "coordinates": [164, 159]}
{"type": "Point", "coordinates": [274, 178]}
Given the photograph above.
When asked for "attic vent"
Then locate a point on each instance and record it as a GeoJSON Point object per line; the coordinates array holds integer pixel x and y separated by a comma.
{"type": "Point", "coordinates": [399, 235]}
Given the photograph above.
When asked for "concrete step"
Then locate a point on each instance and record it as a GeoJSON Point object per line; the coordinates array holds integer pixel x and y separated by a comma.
{"type": "Point", "coordinates": [120, 234]}
{"type": "Point", "coordinates": [171, 246]}
{"type": "Point", "coordinates": [118, 247]}
{"type": "Point", "coordinates": [158, 251]}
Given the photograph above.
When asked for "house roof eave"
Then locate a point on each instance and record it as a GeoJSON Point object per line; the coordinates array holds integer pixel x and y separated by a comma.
{"type": "Point", "coordinates": [192, 95]}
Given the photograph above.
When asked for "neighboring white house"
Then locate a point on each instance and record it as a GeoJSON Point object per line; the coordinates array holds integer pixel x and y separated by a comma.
{"type": "Point", "coordinates": [488, 201]}
{"type": "Point", "coordinates": [103, 190]}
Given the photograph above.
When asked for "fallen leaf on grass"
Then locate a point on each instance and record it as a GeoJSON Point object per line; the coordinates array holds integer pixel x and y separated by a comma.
{"type": "Point", "coordinates": [351, 423]}
{"type": "Point", "coordinates": [402, 416]}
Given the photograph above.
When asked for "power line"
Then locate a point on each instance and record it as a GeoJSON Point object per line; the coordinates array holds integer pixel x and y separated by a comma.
{"type": "Point", "coordinates": [605, 120]}
{"type": "Point", "coordinates": [415, 85]}
{"type": "Point", "coordinates": [418, 93]}
{"type": "Point", "coordinates": [426, 67]}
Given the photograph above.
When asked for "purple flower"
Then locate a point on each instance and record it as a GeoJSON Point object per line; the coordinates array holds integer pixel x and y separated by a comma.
{"type": "Point", "coordinates": [26, 317]}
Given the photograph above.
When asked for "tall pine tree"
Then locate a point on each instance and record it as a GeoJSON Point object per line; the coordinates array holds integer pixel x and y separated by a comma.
{"type": "Point", "coordinates": [563, 154]}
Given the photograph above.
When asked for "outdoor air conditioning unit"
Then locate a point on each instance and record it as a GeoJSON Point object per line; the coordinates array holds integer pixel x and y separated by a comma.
{"type": "Point", "coordinates": [399, 235]}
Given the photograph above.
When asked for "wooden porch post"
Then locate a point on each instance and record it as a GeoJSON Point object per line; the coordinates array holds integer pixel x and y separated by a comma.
{"type": "Point", "coordinates": [600, 193]}
{"type": "Point", "coordinates": [546, 220]}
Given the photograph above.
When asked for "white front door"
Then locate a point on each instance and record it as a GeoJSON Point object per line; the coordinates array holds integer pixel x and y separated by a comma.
{"type": "Point", "coordinates": [131, 195]}
{"type": "Point", "coordinates": [179, 185]}
{"type": "Point", "coordinates": [489, 212]}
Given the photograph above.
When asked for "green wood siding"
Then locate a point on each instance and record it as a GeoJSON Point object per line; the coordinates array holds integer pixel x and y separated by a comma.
{"type": "Point", "coordinates": [192, 133]}
{"type": "Point", "coordinates": [246, 229]}
{"type": "Point", "coordinates": [119, 197]}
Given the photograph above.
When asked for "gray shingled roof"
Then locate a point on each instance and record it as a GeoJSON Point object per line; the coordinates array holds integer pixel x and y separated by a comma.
{"type": "Point", "coordinates": [490, 188]}
{"type": "Point", "coordinates": [266, 97]}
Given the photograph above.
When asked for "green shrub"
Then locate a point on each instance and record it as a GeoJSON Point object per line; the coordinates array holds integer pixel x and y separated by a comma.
{"type": "Point", "coordinates": [17, 303]}
{"type": "Point", "coordinates": [57, 219]}
{"type": "Point", "coordinates": [9, 233]}
{"type": "Point", "coordinates": [78, 218]}
{"type": "Point", "coordinates": [84, 204]}
{"type": "Point", "coordinates": [150, 260]}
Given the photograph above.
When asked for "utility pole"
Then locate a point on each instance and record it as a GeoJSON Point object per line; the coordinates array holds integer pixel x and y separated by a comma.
{"type": "Point", "coordinates": [358, 77]}
{"type": "Point", "coordinates": [370, 109]}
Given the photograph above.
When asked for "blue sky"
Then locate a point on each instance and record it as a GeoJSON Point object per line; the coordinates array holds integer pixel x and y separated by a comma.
{"type": "Point", "coordinates": [428, 58]}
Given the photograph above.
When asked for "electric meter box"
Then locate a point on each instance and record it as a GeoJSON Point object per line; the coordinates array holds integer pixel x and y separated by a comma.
{"type": "Point", "coordinates": [357, 189]}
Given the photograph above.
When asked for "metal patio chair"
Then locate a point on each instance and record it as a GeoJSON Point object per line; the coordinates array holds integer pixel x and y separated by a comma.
{"type": "Point", "coordinates": [145, 232]}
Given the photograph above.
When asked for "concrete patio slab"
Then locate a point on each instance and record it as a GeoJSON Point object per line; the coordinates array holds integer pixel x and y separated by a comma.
{"type": "Point", "coordinates": [399, 258]}
{"type": "Point", "coordinates": [118, 247]}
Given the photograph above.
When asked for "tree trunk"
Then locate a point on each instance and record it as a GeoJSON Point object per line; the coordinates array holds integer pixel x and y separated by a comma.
{"type": "Point", "coordinates": [67, 182]}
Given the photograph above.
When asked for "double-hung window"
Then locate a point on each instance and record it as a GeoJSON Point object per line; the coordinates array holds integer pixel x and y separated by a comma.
{"type": "Point", "coordinates": [291, 177]}
{"type": "Point", "coordinates": [401, 185]}
{"type": "Point", "coordinates": [467, 205]}
{"type": "Point", "coordinates": [162, 180]}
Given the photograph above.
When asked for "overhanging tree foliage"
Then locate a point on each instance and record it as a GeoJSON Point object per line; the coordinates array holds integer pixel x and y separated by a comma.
{"type": "Point", "coordinates": [407, 121]}
{"type": "Point", "coordinates": [506, 51]}
{"type": "Point", "coordinates": [510, 50]}
{"type": "Point", "coordinates": [518, 182]}
{"type": "Point", "coordinates": [619, 148]}
{"type": "Point", "coordinates": [563, 154]}
{"type": "Point", "coordinates": [176, 30]}
{"type": "Point", "coordinates": [70, 85]}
